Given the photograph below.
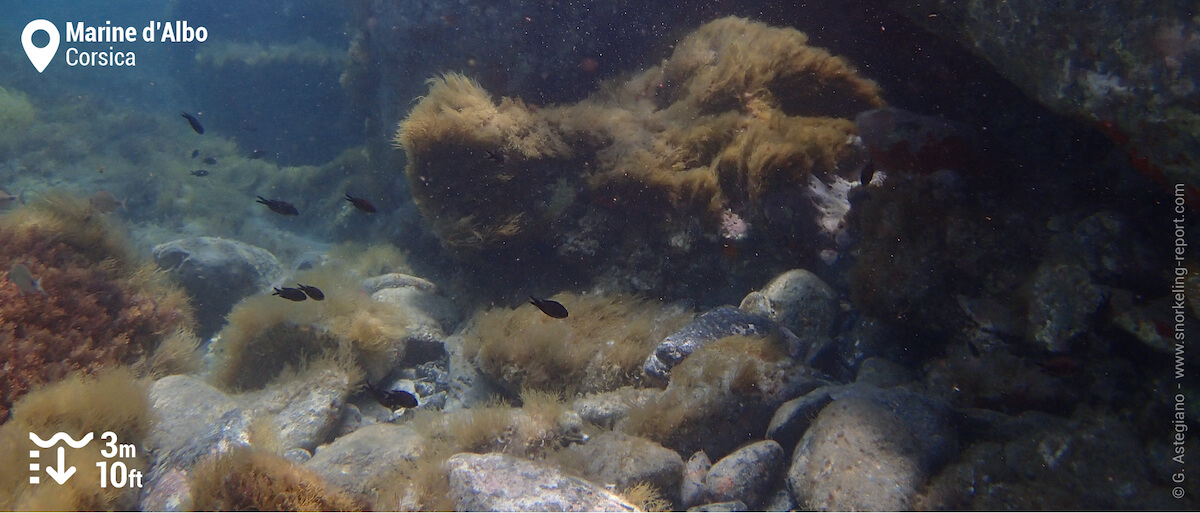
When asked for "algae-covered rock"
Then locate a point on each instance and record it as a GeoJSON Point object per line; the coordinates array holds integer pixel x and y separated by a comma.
{"type": "Point", "coordinates": [722, 396]}
{"type": "Point", "coordinates": [606, 408]}
{"type": "Point", "coordinates": [625, 461]}
{"type": "Point", "coordinates": [742, 118]}
{"type": "Point", "coordinates": [713, 325]}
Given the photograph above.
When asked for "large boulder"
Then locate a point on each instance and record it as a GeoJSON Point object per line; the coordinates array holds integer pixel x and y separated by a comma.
{"type": "Point", "coordinates": [1127, 65]}
{"type": "Point", "coordinates": [217, 273]}
{"type": "Point", "coordinates": [870, 450]}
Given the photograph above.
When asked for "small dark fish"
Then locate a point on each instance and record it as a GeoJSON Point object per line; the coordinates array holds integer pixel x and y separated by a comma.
{"type": "Point", "coordinates": [200, 172]}
{"type": "Point", "coordinates": [312, 292]}
{"type": "Point", "coordinates": [974, 349]}
{"type": "Point", "coordinates": [24, 280]}
{"type": "Point", "coordinates": [194, 122]}
{"type": "Point", "coordinates": [279, 207]}
{"type": "Point", "coordinates": [361, 204]}
{"type": "Point", "coordinates": [256, 154]}
{"type": "Point", "coordinates": [106, 202]}
{"type": "Point", "coordinates": [290, 293]}
{"type": "Point", "coordinates": [210, 161]}
{"type": "Point", "coordinates": [392, 399]}
{"type": "Point", "coordinates": [552, 308]}
{"type": "Point", "coordinates": [868, 172]}
{"type": "Point", "coordinates": [495, 156]}
{"type": "Point", "coordinates": [7, 199]}
{"type": "Point", "coordinates": [195, 153]}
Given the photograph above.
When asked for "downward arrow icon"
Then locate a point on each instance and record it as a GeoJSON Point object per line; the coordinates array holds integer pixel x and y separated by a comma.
{"type": "Point", "coordinates": [60, 475]}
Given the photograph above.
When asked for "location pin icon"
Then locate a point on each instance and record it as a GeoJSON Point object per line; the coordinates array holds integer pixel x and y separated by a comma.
{"type": "Point", "coordinates": [40, 57]}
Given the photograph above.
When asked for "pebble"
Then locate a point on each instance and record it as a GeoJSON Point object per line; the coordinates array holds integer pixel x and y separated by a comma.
{"type": "Point", "coordinates": [691, 490]}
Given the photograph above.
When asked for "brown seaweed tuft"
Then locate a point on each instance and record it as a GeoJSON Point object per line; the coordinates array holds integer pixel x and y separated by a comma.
{"type": "Point", "coordinates": [251, 480]}
{"type": "Point", "coordinates": [600, 346]}
{"type": "Point", "coordinates": [113, 399]}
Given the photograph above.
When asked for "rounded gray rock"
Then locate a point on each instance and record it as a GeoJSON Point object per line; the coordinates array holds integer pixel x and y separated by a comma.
{"type": "Point", "coordinates": [870, 449]}
{"type": "Point", "coordinates": [691, 491]}
{"type": "Point", "coordinates": [354, 462]}
{"type": "Point", "coordinates": [306, 411]}
{"type": "Point", "coordinates": [499, 482]}
{"type": "Point", "coordinates": [801, 302]}
{"type": "Point", "coordinates": [793, 418]}
{"type": "Point", "coordinates": [616, 458]}
{"type": "Point", "coordinates": [217, 273]}
{"type": "Point", "coordinates": [606, 408]}
{"type": "Point", "coordinates": [184, 408]}
{"type": "Point", "coordinates": [745, 474]}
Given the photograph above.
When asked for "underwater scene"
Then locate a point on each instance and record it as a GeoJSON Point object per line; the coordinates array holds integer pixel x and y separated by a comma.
{"type": "Point", "coordinates": [518, 255]}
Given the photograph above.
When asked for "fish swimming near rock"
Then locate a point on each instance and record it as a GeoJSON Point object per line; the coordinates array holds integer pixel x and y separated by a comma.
{"type": "Point", "coordinates": [22, 277]}
{"type": "Point", "coordinates": [210, 161]}
{"type": "Point", "coordinates": [361, 204]}
{"type": "Point", "coordinates": [279, 207]}
{"type": "Point", "coordinates": [290, 294]}
{"type": "Point", "coordinates": [194, 122]}
{"type": "Point", "coordinates": [195, 153]}
{"type": "Point", "coordinates": [392, 399]}
{"type": "Point", "coordinates": [552, 308]}
{"type": "Point", "coordinates": [199, 172]}
{"type": "Point", "coordinates": [256, 154]}
{"type": "Point", "coordinates": [312, 292]}
{"type": "Point", "coordinates": [106, 202]}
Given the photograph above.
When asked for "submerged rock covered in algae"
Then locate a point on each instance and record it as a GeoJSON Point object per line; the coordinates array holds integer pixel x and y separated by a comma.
{"type": "Point", "coordinates": [739, 122]}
